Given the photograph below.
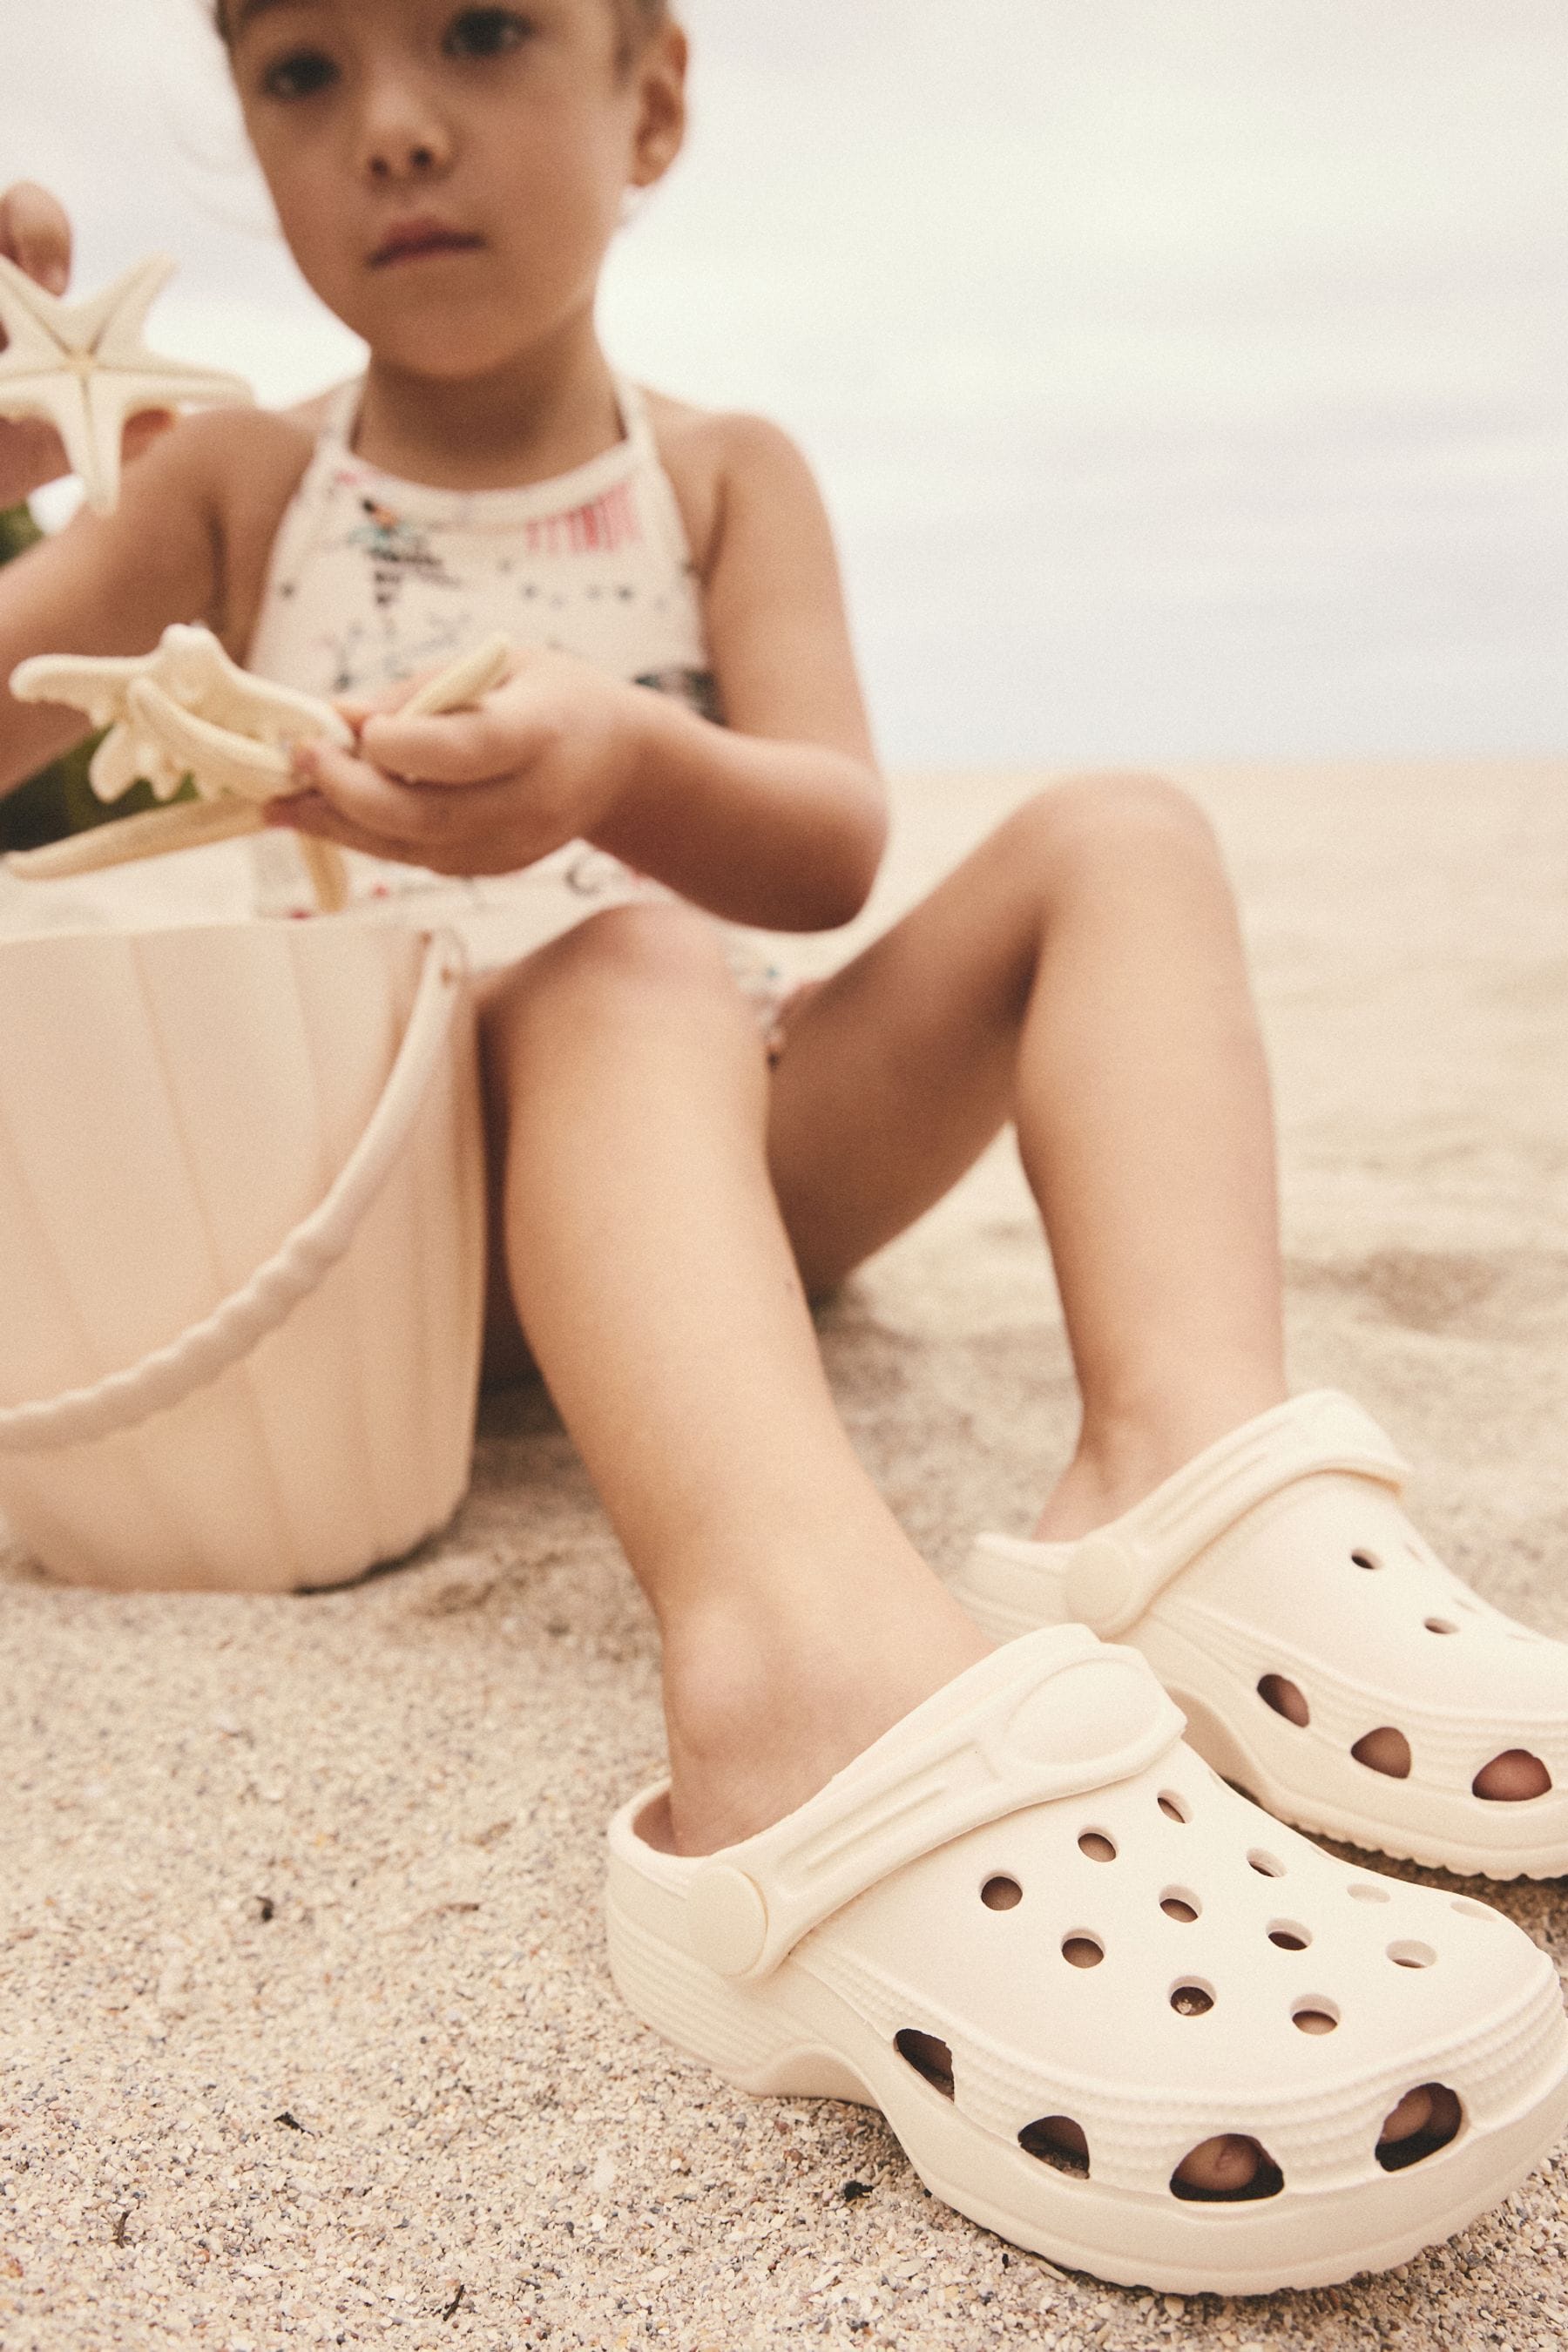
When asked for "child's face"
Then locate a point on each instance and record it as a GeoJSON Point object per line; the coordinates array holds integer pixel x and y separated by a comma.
{"type": "Point", "coordinates": [449, 176]}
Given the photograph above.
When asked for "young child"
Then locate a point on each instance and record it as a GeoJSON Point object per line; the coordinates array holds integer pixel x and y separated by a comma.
{"type": "Point", "coordinates": [986, 1887]}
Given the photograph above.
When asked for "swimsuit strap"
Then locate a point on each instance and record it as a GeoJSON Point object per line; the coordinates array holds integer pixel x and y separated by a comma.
{"type": "Point", "coordinates": [634, 422]}
{"type": "Point", "coordinates": [343, 416]}
{"type": "Point", "coordinates": [662, 508]}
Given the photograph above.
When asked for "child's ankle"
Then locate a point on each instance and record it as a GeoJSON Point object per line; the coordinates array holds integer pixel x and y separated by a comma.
{"type": "Point", "coordinates": [1122, 1457]}
{"type": "Point", "coordinates": [764, 1707]}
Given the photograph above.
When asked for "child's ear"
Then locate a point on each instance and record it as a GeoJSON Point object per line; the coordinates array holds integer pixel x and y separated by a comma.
{"type": "Point", "coordinates": [661, 116]}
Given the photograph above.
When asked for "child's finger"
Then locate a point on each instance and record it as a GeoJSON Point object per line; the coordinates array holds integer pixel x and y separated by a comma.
{"type": "Point", "coordinates": [321, 820]}
{"type": "Point", "coordinates": [404, 818]}
{"type": "Point", "coordinates": [431, 834]}
{"type": "Point", "coordinates": [357, 707]}
{"type": "Point", "coordinates": [359, 792]}
{"type": "Point", "coordinates": [31, 453]}
{"type": "Point", "coordinates": [148, 425]}
{"type": "Point", "coordinates": [311, 812]}
{"type": "Point", "coordinates": [36, 233]}
{"type": "Point", "coordinates": [467, 747]}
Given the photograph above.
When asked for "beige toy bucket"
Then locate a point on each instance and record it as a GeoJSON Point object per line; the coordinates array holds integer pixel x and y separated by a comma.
{"type": "Point", "coordinates": [241, 1250]}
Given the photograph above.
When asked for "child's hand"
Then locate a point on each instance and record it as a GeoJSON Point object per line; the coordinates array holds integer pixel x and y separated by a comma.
{"type": "Point", "coordinates": [37, 236]}
{"type": "Point", "coordinates": [540, 762]}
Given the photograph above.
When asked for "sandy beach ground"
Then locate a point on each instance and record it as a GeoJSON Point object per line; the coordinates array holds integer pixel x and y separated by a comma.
{"type": "Point", "coordinates": [308, 2037]}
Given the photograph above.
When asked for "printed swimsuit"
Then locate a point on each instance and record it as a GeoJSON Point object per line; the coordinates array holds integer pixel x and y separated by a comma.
{"type": "Point", "coordinates": [373, 580]}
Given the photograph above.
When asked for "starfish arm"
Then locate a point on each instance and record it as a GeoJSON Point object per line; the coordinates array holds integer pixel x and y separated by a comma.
{"type": "Point", "coordinates": [463, 681]}
{"type": "Point", "coordinates": [220, 760]}
{"type": "Point", "coordinates": [33, 316]}
{"type": "Point", "coordinates": [112, 321]}
{"type": "Point", "coordinates": [97, 685]}
{"type": "Point", "coordinates": [194, 669]}
{"type": "Point", "coordinates": [36, 323]}
{"type": "Point", "coordinates": [61, 398]}
{"type": "Point", "coordinates": [95, 455]}
{"type": "Point", "coordinates": [283, 718]}
{"type": "Point", "coordinates": [160, 767]}
{"type": "Point", "coordinates": [150, 381]}
{"type": "Point", "coordinates": [325, 864]}
{"type": "Point", "coordinates": [108, 399]}
{"type": "Point", "coordinates": [190, 665]}
{"type": "Point", "coordinates": [29, 381]}
{"type": "Point", "coordinates": [115, 767]}
{"type": "Point", "coordinates": [137, 757]}
{"type": "Point", "coordinates": [190, 826]}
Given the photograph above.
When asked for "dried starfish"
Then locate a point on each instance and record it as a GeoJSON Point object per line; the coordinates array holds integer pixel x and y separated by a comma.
{"type": "Point", "coordinates": [187, 709]}
{"type": "Point", "coordinates": [83, 366]}
{"type": "Point", "coordinates": [184, 709]}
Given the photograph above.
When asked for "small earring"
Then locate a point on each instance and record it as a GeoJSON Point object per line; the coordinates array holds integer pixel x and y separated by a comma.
{"type": "Point", "coordinates": [632, 199]}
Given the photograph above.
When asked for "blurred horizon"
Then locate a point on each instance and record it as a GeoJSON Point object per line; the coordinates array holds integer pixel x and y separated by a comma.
{"type": "Point", "coordinates": [1186, 384]}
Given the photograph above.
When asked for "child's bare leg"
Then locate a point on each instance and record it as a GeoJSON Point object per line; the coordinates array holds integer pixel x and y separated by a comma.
{"type": "Point", "coordinates": [1081, 974]}
{"type": "Point", "coordinates": [658, 1294]}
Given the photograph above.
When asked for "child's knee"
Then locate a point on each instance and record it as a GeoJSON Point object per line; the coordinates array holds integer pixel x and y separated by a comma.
{"type": "Point", "coordinates": [1113, 816]}
{"type": "Point", "coordinates": [660, 947]}
{"type": "Point", "coordinates": [639, 954]}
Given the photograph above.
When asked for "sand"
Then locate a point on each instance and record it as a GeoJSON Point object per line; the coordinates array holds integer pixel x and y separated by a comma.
{"type": "Point", "coordinates": [307, 2033]}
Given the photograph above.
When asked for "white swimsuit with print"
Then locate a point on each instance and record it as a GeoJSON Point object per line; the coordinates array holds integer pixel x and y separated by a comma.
{"type": "Point", "coordinates": [373, 580]}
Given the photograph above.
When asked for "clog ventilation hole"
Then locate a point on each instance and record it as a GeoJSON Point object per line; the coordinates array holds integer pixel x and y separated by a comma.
{"type": "Point", "coordinates": [1512, 1778]}
{"type": "Point", "coordinates": [1203, 2174]}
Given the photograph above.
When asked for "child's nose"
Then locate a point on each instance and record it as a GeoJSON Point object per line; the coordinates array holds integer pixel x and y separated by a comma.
{"type": "Point", "coordinates": [402, 135]}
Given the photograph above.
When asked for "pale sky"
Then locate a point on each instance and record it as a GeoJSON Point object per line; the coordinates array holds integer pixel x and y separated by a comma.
{"type": "Point", "coordinates": [1187, 377]}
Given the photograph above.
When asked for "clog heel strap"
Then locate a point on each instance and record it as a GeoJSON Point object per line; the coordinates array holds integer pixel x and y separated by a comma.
{"type": "Point", "coordinates": [1112, 1576]}
{"type": "Point", "coordinates": [1046, 1718]}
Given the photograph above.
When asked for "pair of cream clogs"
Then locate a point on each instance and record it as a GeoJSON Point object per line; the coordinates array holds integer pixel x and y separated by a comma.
{"type": "Point", "coordinates": [1113, 2009]}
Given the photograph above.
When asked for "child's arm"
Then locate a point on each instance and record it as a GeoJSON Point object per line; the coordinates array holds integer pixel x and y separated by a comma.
{"type": "Point", "coordinates": [106, 585]}
{"type": "Point", "coordinates": [776, 818]}
{"type": "Point", "coordinates": [185, 543]}
{"type": "Point", "coordinates": [782, 806]}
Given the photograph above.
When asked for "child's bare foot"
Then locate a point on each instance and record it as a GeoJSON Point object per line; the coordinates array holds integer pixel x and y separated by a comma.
{"type": "Point", "coordinates": [1227, 2166]}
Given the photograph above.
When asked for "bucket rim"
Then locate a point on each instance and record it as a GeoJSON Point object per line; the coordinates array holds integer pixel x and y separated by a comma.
{"type": "Point", "coordinates": [351, 922]}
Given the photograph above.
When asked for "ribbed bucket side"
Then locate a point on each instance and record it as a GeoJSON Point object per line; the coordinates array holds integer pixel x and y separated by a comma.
{"type": "Point", "coordinates": [235, 1071]}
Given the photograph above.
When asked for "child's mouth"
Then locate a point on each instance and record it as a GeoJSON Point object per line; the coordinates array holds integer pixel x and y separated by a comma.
{"type": "Point", "coordinates": [416, 240]}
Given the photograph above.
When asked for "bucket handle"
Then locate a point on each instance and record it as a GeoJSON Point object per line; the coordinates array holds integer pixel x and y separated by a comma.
{"type": "Point", "coordinates": [171, 1373]}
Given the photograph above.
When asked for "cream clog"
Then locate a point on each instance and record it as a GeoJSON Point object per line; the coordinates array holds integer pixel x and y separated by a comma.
{"type": "Point", "coordinates": [1323, 1656]}
{"type": "Point", "coordinates": [1036, 1930]}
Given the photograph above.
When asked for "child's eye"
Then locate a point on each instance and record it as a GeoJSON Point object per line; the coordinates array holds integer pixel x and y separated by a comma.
{"type": "Point", "coordinates": [486, 33]}
{"type": "Point", "coordinates": [299, 75]}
